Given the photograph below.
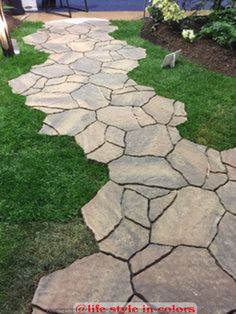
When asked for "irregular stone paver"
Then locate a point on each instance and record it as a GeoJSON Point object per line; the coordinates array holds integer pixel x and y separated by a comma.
{"type": "Point", "coordinates": [51, 100]}
{"type": "Point", "coordinates": [174, 135]}
{"type": "Point", "coordinates": [158, 205]}
{"type": "Point", "coordinates": [125, 240]}
{"type": "Point", "coordinates": [193, 276]}
{"type": "Point", "coordinates": [58, 80]}
{"type": "Point", "coordinates": [227, 194]}
{"type": "Point", "coordinates": [79, 29]}
{"type": "Point", "coordinates": [136, 99]}
{"type": "Point", "coordinates": [120, 117]}
{"type": "Point", "coordinates": [145, 170]}
{"type": "Point", "coordinates": [82, 46]}
{"type": "Point", "coordinates": [67, 87]}
{"type": "Point", "coordinates": [160, 108]}
{"type": "Point", "coordinates": [190, 160]}
{"type": "Point", "coordinates": [148, 256]}
{"type": "Point", "coordinates": [106, 206]}
{"type": "Point", "coordinates": [86, 65]}
{"type": "Point", "coordinates": [135, 207]}
{"type": "Point", "coordinates": [125, 65]}
{"type": "Point", "coordinates": [215, 162]}
{"type": "Point", "coordinates": [23, 82]}
{"type": "Point", "coordinates": [103, 56]}
{"type": "Point", "coordinates": [54, 70]}
{"type": "Point", "coordinates": [66, 58]}
{"type": "Point", "coordinates": [223, 246]}
{"type": "Point", "coordinates": [115, 136]}
{"type": "Point", "coordinates": [148, 191]}
{"type": "Point", "coordinates": [177, 121]}
{"type": "Point", "coordinates": [90, 97]}
{"type": "Point", "coordinates": [46, 129]}
{"type": "Point", "coordinates": [214, 180]}
{"type": "Point", "coordinates": [133, 53]}
{"type": "Point", "coordinates": [56, 47]}
{"type": "Point", "coordinates": [229, 157]}
{"type": "Point", "coordinates": [143, 118]}
{"type": "Point", "coordinates": [112, 81]}
{"type": "Point", "coordinates": [150, 140]}
{"type": "Point", "coordinates": [198, 211]}
{"type": "Point", "coordinates": [106, 153]}
{"type": "Point", "coordinates": [36, 38]}
{"type": "Point", "coordinates": [40, 83]}
{"type": "Point", "coordinates": [59, 290]}
{"type": "Point", "coordinates": [70, 122]}
{"type": "Point", "coordinates": [231, 173]}
{"type": "Point", "coordinates": [92, 137]}
{"type": "Point", "coordinates": [179, 109]}
{"type": "Point", "coordinates": [85, 92]}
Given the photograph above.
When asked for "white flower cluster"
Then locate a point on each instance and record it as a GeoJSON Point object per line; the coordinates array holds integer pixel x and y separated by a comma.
{"type": "Point", "coordinates": [188, 34]}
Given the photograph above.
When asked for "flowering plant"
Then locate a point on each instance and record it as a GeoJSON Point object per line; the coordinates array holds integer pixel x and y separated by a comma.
{"type": "Point", "coordinates": [169, 9]}
{"type": "Point", "coordinates": [188, 34]}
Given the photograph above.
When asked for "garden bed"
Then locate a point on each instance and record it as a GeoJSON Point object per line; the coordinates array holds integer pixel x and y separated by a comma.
{"type": "Point", "coordinates": [204, 51]}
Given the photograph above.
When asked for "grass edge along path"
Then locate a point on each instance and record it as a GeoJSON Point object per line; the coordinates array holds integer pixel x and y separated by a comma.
{"type": "Point", "coordinates": [44, 181]}
{"type": "Point", "coordinates": [209, 97]}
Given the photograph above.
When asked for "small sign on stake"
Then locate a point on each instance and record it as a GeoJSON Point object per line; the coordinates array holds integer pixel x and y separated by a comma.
{"type": "Point", "coordinates": [170, 59]}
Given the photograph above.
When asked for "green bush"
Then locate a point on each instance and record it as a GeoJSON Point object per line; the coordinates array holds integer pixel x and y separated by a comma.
{"type": "Point", "coordinates": [226, 15]}
{"type": "Point", "coordinates": [165, 10]}
{"type": "Point", "coordinates": [156, 14]}
{"type": "Point", "coordinates": [221, 27]}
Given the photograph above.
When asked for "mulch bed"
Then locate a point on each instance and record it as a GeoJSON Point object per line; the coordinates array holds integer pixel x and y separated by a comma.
{"type": "Point", "coordinates": [204, 51]}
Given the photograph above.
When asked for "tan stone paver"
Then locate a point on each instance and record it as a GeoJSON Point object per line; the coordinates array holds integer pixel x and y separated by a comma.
{"type": "Point", "coordinates": [165, 222]}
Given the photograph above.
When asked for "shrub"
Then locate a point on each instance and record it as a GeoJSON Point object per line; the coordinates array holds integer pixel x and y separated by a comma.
{"type": "Point", "coordinates": [165, 10]}
{"type": "Point", "coordinates": [221, 27]}
{"type": "Point", "coordinates": [227, 15]}
{"type": "Point", "coordinates": [223, 33]}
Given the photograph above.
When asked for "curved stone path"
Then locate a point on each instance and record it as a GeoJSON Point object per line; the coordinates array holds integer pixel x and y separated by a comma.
{"type": "Point", "coordinates": [166, 221]}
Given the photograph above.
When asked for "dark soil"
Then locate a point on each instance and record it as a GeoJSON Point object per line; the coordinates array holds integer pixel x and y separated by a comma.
{"type": "Point", "coordinates": [203, 51]}
{"type": "Point", "coordinates": [12, 22]}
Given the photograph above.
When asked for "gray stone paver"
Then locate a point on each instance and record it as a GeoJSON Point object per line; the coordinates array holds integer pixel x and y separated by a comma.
{"type": "Point", "coordinates": [106, 206]}
{"type": "Point", "coordinates": [158, 205]}
{"type": "Point", "coordinates": [125, 240]}
{"type": "Point", "coordinates": [147, 256]}
{"type": "Point", "coordinates": [150, 140]}
{"type": "Point", "coordinates": [190, 160]}
{"type": "Point", "coordinates": [71, 122]}
{"type": "Point", "coordinates": [115, 283]}
{"type": "Point", "coordinates": [223, 246]}
{"type": "Point", "coordinates": [86, 65]}
{"type": "Point", "coordinates": [150, 171]}
{"type": "Point", "coordinates": [92, 137]}
{"type": "Point", "coordinates": [135, 207]}
{"type": "Point", "coordinates": [199, 212]}
{"type": "Point", "coordinates": [52, 71]}
{"type": "Point", "coordinates": [90, 97]}
{"type": "Point", "coordinates": [227, 194]}
{"type": "Point", "coordinates": [170, 191]}
{"type": "Point", "coordinates": [188, 274]}
{"type": "Point", "coordinates": [136, 99]}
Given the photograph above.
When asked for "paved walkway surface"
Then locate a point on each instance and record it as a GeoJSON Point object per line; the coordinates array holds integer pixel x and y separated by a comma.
{"type": "Point", "coordinates": [165, 223]}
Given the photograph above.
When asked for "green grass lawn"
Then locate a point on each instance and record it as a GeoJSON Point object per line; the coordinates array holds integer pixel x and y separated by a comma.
{"type": "Point", "coordinates": [44, 182]}
{"type": "Point", "coordinates": [210, 98]}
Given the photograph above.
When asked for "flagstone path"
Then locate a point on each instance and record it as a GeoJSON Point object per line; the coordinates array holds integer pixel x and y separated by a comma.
{"type": "Point", "coordinates": [165, 223]}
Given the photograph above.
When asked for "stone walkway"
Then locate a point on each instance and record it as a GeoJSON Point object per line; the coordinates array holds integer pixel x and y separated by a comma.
{"type": "Point", "coordinates": [165, 223]}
